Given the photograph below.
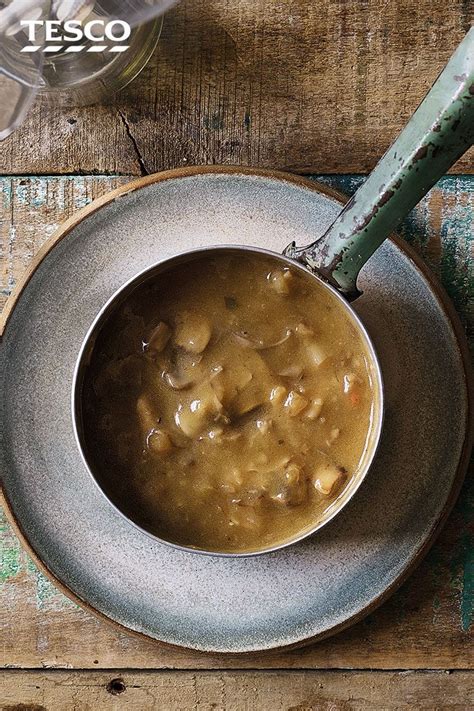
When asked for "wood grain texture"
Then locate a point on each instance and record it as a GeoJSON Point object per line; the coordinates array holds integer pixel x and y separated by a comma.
{"type": "Point", "coordinates": [317, 86]}
{"type": "Point", "coordinates": [427, 624]}
{"type": "Point", "coordinates": [30, 211]}
{"type": "Point", "coordinates": [235, 691]}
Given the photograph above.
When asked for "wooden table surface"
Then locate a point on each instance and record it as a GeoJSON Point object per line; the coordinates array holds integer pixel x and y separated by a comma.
{"type": "Point", "coordinates": [319, 87]}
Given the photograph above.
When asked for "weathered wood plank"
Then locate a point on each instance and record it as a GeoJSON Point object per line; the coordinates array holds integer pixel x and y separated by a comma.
{"type": "Point", "coordinates": [236, 691]}
{"type": "Point", "coordinates": [30, 211]}
{"type": "Point", "coordinates": [425, 625]}
{"type": "Point", "coordinates": [322, 87]}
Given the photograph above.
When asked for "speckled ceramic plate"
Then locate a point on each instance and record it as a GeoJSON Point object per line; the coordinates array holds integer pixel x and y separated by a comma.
{"type": "Point", "coordinates": [309, 590]}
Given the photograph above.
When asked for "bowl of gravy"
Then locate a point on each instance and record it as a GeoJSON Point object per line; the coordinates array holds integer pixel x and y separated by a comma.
{"type": "Point", "coordinates": [227, 401]}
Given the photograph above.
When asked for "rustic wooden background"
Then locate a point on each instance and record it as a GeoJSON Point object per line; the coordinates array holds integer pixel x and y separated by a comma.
{"type": "Point", "coordinates": [315, 86]}
{"type": "Point", "coordinates": [320, 86]}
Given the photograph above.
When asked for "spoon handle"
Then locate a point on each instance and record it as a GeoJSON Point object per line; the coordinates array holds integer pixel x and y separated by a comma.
{"type": "Point", "coordinates": [439, 132]}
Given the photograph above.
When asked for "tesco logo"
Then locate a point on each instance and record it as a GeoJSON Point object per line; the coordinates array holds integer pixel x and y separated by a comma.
{"type": "Point", "coordinates": [95, 31]}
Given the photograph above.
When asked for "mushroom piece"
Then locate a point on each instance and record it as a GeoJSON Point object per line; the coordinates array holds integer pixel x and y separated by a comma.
{"type": "Point", "coordinates": [316, 353]}
{"type": "Point", "coordinates": [281, 281]}
{"type": "Point", "coordinates": [147, 417]}
{"type": "Point", "coordinates": [187, 371]}
{"type": "Point", "coordinates": [295, 403]}
{"type": "Point", "coordinates": [228, 381]}
{"type": "Point", "coordinates": [328, 478]}
{"type": "Point", "coordinates": [242, 383]}
{"type": "Point", "coordinates": [258, 345]}
{"type": "Point", "coordinates": [193, 418]}
{"type": "Point", "coordinates": [159, 442]}
{"type": "Point", "coordinates": [314, 409]}
{"type": "Point", "coordinates": [230, 480]}
{"type": "Point", "coordinates": [278, 395]}
{"type": "Point", "coordinates": [158, 339]}
{"type": "Point", "coordinates": [177, 381]}
{"type": "Point", "coordinates": [249, 399]}
{"type": "Point", "coordinates": [293, 371]}
{"type": "Point", "coordinates": [193, 332]}
{"type": "Point", "coordinates": [290, 487]}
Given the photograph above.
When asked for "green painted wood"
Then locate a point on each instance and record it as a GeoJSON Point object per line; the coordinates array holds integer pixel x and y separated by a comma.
{"type": "Point", "coordinates": [441, 228]}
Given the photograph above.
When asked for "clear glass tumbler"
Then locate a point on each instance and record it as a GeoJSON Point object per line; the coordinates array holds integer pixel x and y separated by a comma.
{"type": "Point", "coordinates": [72, 51]}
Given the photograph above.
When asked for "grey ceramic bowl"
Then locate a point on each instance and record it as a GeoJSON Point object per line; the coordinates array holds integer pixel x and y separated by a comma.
{"type": "Point", "coordinates": [152, 273]}
{"type": "Point", "coordinates": [299, 594]}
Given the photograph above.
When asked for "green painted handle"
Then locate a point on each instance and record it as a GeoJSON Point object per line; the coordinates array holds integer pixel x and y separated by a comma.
{"type": "Point", "coordinates": [439, 132]}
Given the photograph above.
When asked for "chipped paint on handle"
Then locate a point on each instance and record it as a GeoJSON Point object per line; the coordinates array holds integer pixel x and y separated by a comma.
{"type": "Point", "coordinates": [438, 133]}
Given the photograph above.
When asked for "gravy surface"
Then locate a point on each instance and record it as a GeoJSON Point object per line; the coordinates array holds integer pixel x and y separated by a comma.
{"type": "Point", "coordinates": [228, 403]}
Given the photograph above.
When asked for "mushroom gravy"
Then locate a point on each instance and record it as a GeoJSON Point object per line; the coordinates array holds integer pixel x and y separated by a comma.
{"type": "Point", "coordinates": [228, 402]}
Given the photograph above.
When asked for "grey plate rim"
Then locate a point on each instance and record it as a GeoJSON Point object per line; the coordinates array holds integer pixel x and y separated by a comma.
{"type": "Point", "coordinates": [441, 297]}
